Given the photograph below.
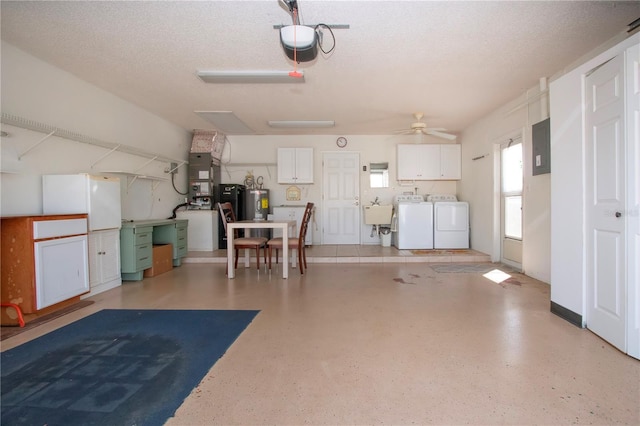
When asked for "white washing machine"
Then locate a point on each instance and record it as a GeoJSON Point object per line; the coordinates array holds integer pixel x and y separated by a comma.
{"type": "Point", "coordinates": [413, 223]}
{"type": "Point", "coordinates": [450, 222]}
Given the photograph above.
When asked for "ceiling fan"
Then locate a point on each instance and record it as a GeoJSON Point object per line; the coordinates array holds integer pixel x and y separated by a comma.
{"type": "Point", "coordinates": [420, 126]}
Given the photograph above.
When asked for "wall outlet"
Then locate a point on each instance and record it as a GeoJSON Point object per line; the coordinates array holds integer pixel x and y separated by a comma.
{"type": "Point", "coordinates": [173, 168]}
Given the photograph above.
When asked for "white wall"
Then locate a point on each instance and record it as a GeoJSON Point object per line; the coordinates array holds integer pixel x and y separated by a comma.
{"type": "Point", "coordinates": [479, 185]}
{"type": "Point", "coordinates": [37, 91]}
{"type": "Point", "coordinates": [567, 183]}
{"type": "Point", "coordinates": [257, 154]}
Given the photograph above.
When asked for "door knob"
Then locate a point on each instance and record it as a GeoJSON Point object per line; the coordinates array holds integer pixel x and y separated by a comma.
{"type": "Point", "coordinates": [618, 214]}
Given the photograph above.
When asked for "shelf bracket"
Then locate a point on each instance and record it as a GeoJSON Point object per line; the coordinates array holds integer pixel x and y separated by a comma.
{"type": "Point", "coordinates": [35, 145]}
{"type": "Point", "coordinates": [111, 151]}
{"type": "Point", "coordinates": [131, 183]}
{"type": "Point", "coordinates": [147, 163]}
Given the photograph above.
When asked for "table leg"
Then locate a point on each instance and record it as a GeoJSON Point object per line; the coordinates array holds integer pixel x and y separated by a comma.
{"type": "Point", "coordinates": [285, 251]}
{"type": "Point", "coordinates": [231, 271]}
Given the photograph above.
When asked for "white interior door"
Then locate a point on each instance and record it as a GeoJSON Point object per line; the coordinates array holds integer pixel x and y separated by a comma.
{"type": "Point", "coordinates": [633, 200]}
{"type": "Point", "coordinates": [605, 202]}
{"type": "Point", "coordinates": [341, 198]}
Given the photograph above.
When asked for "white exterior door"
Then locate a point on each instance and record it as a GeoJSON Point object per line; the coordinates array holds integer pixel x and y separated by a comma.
{"type": "Point", "coordinates": [605, 202]}
{"type": "Point", "coordinates": [341, 198]}
{"type": "Point", "coordinates": [511, 181]}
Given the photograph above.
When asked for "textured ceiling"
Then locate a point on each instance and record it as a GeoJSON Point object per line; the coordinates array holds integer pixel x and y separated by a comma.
{"type": "Point", "coordinates": [455, 61]}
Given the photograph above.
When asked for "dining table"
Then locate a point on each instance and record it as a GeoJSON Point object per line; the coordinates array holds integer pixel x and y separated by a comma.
{"type": "Point", "coordinates": [283, 224]}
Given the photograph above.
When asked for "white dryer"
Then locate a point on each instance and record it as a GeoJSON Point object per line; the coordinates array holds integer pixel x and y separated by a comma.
{"type": "Point", "coordinates": [413, 223]}
{"type": "Point", "coordinates": [450, 222]}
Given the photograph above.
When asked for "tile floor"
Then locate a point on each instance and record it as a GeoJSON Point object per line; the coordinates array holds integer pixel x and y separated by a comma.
{"type": "Point", "coordinates": [388, 343]}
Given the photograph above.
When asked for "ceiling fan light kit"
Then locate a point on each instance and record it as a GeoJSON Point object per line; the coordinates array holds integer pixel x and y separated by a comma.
{"type": "Point", "coordinates": [420, 127]}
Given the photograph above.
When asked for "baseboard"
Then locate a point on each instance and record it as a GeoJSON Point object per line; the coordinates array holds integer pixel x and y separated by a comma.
{"type": "Point", "coordinates": [566, 314]}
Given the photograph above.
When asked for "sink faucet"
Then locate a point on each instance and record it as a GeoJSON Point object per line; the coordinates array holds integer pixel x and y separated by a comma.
{"type": "Point", "coordinates": [375, 202]}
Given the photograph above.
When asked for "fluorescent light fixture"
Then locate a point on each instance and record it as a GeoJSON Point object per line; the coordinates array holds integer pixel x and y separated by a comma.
{"type": "Point", "coordinates": [293, 124]}
{"type": "Point", "coordinates": [226, 122]}
{"type": "Point", "coordinates": [249, 77]}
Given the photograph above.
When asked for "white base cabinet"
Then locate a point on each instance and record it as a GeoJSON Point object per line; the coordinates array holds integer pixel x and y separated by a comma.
{"type": "Point", "coordinates": [104, 261]}
{"type": "Point", "coordinates": [292, 213]}
{"type": "Point", "coordinates": [428, 162]}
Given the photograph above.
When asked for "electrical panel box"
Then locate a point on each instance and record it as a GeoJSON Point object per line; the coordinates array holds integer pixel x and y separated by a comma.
{"type": "Point", "coordinates": [204, 177]}
{"type": "Point", "coordinates": [541, 143]}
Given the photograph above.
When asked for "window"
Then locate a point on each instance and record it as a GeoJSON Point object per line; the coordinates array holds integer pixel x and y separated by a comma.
{"type": "Point", "coordinates": [512, 189]}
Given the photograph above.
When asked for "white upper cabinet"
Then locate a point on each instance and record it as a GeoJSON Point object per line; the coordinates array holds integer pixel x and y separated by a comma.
{"type": "Point", "coordinates": [450, 161]}
{"type": "Point", "coordinates": [295, 165]}
{"type": "Point", "coordinates": [428, 162]}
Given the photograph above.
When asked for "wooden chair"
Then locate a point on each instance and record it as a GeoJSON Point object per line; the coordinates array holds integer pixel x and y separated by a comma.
{"type": "Point", "coordinates": [255, 243]}
{"type": "Point", "coordinates": [296, 243]}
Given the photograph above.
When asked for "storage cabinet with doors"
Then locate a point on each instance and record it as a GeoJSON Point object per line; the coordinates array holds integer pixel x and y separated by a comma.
{"type": "Point", "coordinates": [428, 162]}
{"type": "Point", "coordinates": [44, 263]}
{"type": "Point", "coordinates": [292, 213]}
{"type": "Point", "coordinates": [450, 159]}
{"type": "Point", "coordinates": [136, 251]}
{"type": "Point", "coordinates": [104, 260]}
{"type": "Point", "coordinates": [295, 165]}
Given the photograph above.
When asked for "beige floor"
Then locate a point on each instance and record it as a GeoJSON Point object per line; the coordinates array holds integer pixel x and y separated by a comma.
{"type": "Point", "coordinates": [388, 343]}
{"type": "Point", "coordinates": [361, 254]}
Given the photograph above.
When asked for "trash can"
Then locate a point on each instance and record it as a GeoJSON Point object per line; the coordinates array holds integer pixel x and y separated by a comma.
{"type": "Point", "coordinates": [385, 236]}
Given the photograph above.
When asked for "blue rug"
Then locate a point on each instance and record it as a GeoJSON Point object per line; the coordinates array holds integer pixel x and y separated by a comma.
{"type": "Point", "coordinates": [115, 367]}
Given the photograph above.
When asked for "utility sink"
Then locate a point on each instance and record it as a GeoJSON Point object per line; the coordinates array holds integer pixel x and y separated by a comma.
{"type": "Point", "coordinates": [377, 215]}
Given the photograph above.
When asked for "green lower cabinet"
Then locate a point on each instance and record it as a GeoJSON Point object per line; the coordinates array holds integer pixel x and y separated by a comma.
{"type": "Point", "coordinates": [136, 252]}
{"type": "Point", "coordinates": [137, 240]}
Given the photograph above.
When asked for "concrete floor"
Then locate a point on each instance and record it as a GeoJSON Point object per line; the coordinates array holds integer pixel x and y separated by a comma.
{"type": "Point", "coordinates": [388, 343]}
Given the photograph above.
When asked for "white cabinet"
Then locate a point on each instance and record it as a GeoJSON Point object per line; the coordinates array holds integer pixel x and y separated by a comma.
{"type": "Point", "coordinates": [418, 162]}
{"type": "Point", "coordinates": [450, 161]}
{"type": "Point", "coordinates": [61, 269]}
{"type": "Point", "coordinates": [104, 260]}
{"type": "Point", "coordinates": [428, 162]}
{"type": "Point", "coordinates": [295, 165]}
{"type": "Point", "coordinates": [293, 213]}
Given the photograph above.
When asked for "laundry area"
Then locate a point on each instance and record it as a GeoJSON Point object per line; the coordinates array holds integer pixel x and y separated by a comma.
{"type": "Point", "coordinates": [437, 221]}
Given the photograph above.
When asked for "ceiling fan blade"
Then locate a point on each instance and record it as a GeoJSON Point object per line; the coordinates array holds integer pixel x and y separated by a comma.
{"type": "Point", "coordinates": [441, 134]}
{"type": "Point", "coordinates": [403, 132]}
{"type": "Point", "coordinates": [437, 129]}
